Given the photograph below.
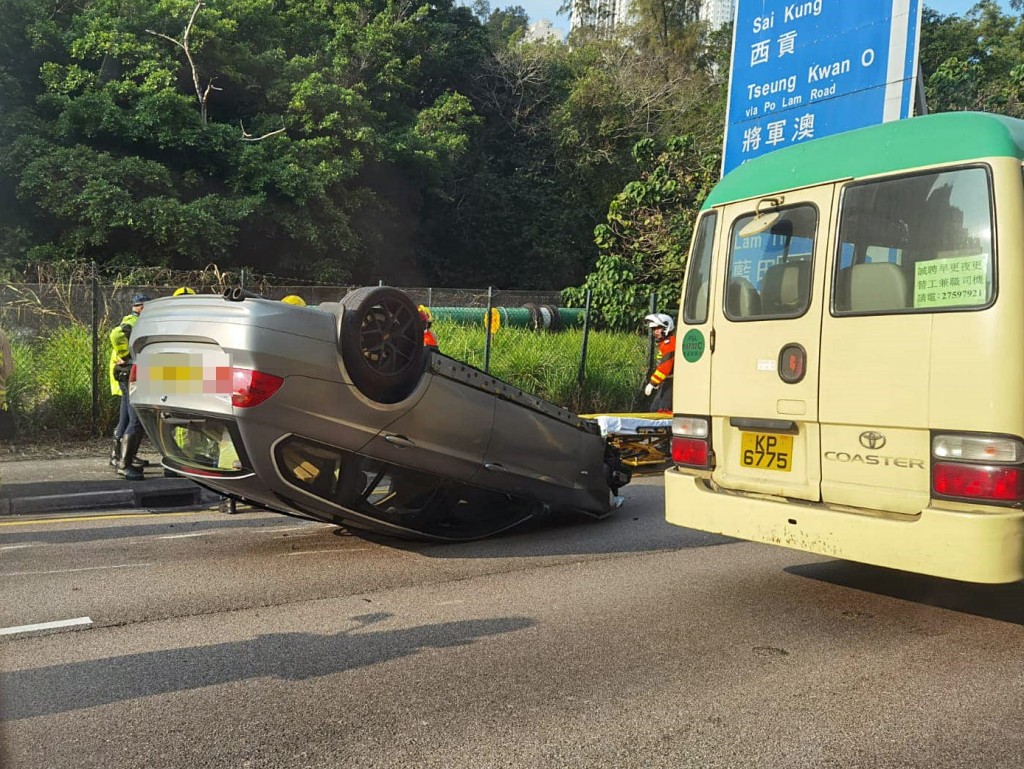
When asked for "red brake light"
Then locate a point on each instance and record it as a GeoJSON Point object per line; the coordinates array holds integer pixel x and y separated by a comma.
{"type": "Point", "coordinates": [691, 452]}
{"type": "Point", "coordinates": [792, 363]}
{"type": "Point", "coordinates": [133, 375]}
{"type": "Point", "coordinates": [1001, 484]}
{"type": "Point", "coordinates": [250, 388]}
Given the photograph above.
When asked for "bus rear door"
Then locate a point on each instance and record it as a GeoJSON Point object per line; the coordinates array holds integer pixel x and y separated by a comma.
{"type": "Point", "coordinates": [765, 367]}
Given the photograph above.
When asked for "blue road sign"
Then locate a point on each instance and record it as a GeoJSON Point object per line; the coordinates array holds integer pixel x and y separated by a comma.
{"type": "Point", "coordinates": [805, 69]}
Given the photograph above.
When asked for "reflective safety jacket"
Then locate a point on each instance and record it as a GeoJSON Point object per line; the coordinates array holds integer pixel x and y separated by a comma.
{"type": "Point", "coordinates": [664, 361]}
{"type": "Point", "coordinates": [119, 349]}
{"type": "Point", "coordinates": [6, 368]}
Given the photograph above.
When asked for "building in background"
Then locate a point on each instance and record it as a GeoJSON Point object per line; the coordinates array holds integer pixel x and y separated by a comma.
{"type": "Point", "coordinates": [717, 13]}
{"type": "Point", "coordinates": [604, 16]}
{"type": "Point", "coordinates": [542, 31]}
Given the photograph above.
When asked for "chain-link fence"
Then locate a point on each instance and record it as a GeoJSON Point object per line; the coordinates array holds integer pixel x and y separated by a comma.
{"type": "Point", "coordinates": [59, 333]}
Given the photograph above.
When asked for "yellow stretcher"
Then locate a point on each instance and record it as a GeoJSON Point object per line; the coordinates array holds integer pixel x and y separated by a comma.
{"type": "Point", "coordinates": [643, 441]}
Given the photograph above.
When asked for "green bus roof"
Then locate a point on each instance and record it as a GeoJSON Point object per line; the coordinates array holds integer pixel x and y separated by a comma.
{"type": "Point", "coordinates": [946, 137]}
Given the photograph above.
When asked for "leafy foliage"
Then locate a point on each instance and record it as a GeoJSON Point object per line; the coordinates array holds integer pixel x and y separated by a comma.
{"type": "Point", "coordinates": [974, 61]}
{"type": "Point", "coordinates": [644, 242]}
{"type": "Point", "coordinates": [183, 133]}
{"type": "Point", "coordinates": [348, 141]}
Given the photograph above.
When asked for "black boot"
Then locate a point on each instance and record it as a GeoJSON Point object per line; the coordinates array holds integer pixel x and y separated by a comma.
{"type": "Point", "coordinates": [116, 453]}
{"type": "Point", "coordinates": [127, 468]}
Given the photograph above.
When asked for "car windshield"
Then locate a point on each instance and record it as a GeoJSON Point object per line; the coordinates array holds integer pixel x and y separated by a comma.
{"type": "Point", "coordinates": [201, 443]}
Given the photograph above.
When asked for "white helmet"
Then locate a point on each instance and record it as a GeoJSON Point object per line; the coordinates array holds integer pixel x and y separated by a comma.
{"type": "Point", "coordinates": [660, 320]}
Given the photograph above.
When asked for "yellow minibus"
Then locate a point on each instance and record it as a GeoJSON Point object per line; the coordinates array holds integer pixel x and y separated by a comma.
{"type": "Point", "coordinates": [850, 372]}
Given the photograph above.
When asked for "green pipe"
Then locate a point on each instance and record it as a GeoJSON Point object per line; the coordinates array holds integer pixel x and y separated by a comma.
{"type": "Point", "coordinates": [541, 318]}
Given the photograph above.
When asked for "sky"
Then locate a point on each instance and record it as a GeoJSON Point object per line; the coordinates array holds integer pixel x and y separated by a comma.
{"type": "Point", "coordinates": [548, 9]}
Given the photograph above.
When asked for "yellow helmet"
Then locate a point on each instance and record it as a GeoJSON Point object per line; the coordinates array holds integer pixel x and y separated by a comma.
{"type": "Point", "coordinates": [183, 290]}
{"type": "Point", "coordinates": [293, 299]}
{"type": "Point", "coordinates": [426, 314]}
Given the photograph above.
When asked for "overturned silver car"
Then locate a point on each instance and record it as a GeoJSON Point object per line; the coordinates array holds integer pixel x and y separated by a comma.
{"type": "Point", "coordinates": [339, 413]}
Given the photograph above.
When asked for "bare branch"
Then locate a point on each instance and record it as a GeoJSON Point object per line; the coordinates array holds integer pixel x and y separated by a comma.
{"type": "Point", "coordinates": [203, 96]}
{"type": "Point", "coordinates": [165, 37]}
{"type": "Point", "coordinates": [248, 137]}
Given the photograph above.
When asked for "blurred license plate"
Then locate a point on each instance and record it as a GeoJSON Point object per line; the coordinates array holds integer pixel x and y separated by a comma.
{"type": "Point", "coordinates": [766, 451]}
{"type": "Point", "coordinates": [185, 373]}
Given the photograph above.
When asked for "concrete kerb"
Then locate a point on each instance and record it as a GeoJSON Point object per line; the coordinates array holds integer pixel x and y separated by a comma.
{"type": "Point", "coordinates": [81, 484]}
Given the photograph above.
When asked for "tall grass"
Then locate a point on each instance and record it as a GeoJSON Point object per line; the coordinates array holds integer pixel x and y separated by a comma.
{"type": "Point", "coordinates": [51, 388]}
{"type": "Point", "coordinates": [547, 364]}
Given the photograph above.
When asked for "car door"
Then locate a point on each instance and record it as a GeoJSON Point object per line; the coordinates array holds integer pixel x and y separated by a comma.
{"type": "Point", "coordinates": [538, 455]}
{"type": "Point", "coordinates": [444, 433]}
{"type": "Point", "coordinates": [767, 335]}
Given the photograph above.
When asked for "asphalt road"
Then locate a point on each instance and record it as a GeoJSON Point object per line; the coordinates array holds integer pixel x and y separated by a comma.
{"type": "Point", "coordinates": [261, 641]}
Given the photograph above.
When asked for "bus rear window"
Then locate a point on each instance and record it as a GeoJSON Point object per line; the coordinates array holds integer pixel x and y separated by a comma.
{"type": "Point", "coordinates": [770, 264]}
{"type": "Point", "coordinates": [919, 243]}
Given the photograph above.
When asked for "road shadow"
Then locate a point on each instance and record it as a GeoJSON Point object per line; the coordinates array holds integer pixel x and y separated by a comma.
{"type": "Point", "coordinates": [624, 532]}
{"type": "Point", "coordinates": [999, 602]}
{"type": "Point", "coordinates": [292, 656]}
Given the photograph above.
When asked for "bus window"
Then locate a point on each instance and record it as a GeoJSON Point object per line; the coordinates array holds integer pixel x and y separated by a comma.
{"type": "Point", "coordinates": [698, 269]}
{"type": "Point", "coordinates": [915, 244]}
{"type": "Point", "coordinates": [769, 273]}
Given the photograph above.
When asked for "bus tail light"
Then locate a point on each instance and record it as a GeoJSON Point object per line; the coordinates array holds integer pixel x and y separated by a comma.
{"type": "Point", "coordinates": [691, 442]}
{"type": "Point", "coordinates": [978, 467]}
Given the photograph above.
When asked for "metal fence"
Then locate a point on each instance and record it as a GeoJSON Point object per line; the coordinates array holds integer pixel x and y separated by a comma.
{"type": "Point", "coordinates": [60, 332]}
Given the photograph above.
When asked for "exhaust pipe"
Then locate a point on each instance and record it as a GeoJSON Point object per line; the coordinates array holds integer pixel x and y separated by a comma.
{"type": "Point", "coordinates": [237, 294]}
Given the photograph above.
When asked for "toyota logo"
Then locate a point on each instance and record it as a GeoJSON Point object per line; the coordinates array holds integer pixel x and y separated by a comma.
{"type": "Point", "coordinates": [872, 440]}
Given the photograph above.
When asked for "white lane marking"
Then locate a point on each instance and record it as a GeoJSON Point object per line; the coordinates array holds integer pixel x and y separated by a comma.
{"type": "Point", "coordinates": [16, 547]}
{"type": "Point", "coordinates": [46, 625]}
{"type": "Point", "coordinates": [274, 530]}
{"type": "Point", "coordinates": [69, 571]}
{"type": "Point", "coordinates": [314, 552]}
{"type": "Point", "coordinates": [183, 536]}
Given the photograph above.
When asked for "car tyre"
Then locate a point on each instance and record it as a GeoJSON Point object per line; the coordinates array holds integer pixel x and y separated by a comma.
{"type": "Point", "coordinates": [381, 342]}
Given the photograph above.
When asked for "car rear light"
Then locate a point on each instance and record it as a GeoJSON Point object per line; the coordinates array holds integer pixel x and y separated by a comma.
{"type": "Point", "coordinates": [690, 442]}
{"type": "Point", "coordinates": [978, 448]}
{"type": "Point", "coordinates": [133, 375]}
{"type": "Point", "coordinates": [981, 482]}
{"type": "Point", "coordinates": [978, 467]}
{"type": "Point", "coordinates": [250, 388]}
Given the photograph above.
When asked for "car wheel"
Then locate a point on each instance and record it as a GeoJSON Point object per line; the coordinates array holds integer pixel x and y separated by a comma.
{"type": "Point", "coordinates": [381, 343]}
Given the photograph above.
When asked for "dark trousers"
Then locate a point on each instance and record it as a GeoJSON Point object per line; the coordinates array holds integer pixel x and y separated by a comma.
{"type": "Point", "coordinates": [662, 398]}
{"type": "Point", "coordinates": [128, 423]}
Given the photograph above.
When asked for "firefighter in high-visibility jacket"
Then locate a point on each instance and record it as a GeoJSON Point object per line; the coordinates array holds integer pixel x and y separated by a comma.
{"type": "Point", "coordinates": [429, 340]}
{"type": "Point", "coordinates": [128, 433]}
{"type": "Point", "coordinates": [660, 384]}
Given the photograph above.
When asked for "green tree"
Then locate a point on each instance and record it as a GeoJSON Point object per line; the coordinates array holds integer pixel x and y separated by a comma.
{"type": "Point", "coordinates": [974, 61]}
{"type": "Point", "coordinates": [254, 132]}
{"type": "Point", "coordinates": [644, 242]}
{"type": "Point", "coordinates": [505, 26]}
